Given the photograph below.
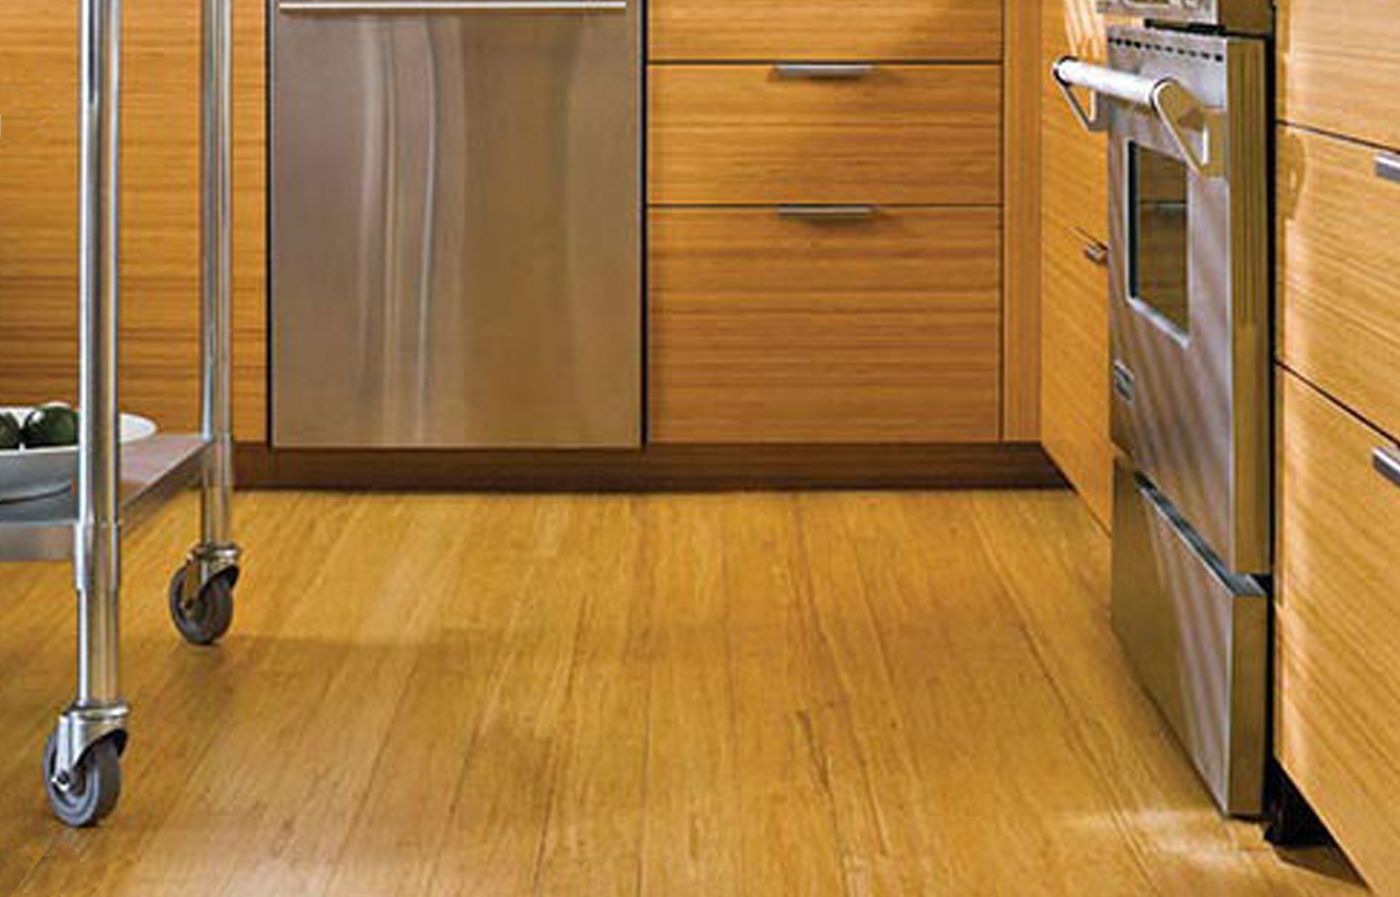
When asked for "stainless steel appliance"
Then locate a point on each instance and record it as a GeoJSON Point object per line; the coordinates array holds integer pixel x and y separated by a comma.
{"type": "Point", "coordinates": [456, 220]}
{"type": "Point", "coordinates": [1186, 108]}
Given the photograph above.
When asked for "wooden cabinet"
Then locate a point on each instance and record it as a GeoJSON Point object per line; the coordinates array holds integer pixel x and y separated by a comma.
{"type": "Point", "coordinates": [765, 328]}
{"type": "Point", "coordinates": [773, 329]}
{"type": "Point", "coordinates": [765, 30]}
{"type": "Point", "coordinates": [160, 264]}
{"type": "Point", "coordinates": [1074, 353]}
{"type": "Point", "coordinates": [1339, 263]}
{"type": "Point", "coordinates": [745, 134]}
{"type": "Point", "coordinates": [1338, 658]}
{"type": "Point", "coordinates": [1338, 67]}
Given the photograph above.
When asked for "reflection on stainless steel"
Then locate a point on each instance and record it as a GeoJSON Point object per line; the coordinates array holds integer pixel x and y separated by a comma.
{"type": "Point", "coordinates": [1198, 639]}
{"type": "Point", "coordinates": [456, 227]}
{"type": "Point", "coordinates": [1238, 16]}
{"type": "Point", "coordinates": [1388, 167]}
{"type": "Point", "coordinates": [1189, 282]}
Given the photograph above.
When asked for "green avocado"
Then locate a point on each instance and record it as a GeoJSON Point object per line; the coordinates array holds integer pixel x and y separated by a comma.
{"type": "Point", "coordinates": [51, 425]}
{"type": "Point", "coordinates": [9, 432]}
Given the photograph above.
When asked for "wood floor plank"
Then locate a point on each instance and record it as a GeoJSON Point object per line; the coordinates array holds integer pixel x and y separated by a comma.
{"type": "Point", "coordinates": [777, 694]}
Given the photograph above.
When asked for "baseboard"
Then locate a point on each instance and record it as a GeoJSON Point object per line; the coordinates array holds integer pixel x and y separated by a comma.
{"type": "Point", "coordinates": [654, 468]}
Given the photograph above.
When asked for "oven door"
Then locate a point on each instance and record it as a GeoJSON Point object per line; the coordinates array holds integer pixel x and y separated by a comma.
{"type": "Point", "coordinates": [1189, 309]}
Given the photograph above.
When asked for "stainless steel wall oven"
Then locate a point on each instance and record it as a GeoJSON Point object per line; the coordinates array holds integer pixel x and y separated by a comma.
{"type": "Point", "coordinates": [1185, 105]}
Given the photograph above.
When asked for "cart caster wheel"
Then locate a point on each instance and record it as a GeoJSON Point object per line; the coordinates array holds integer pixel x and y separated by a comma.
{"type": "Point", "coordinates": [206, 620]}
{"type": "Point", "coordinates": [96, 785]}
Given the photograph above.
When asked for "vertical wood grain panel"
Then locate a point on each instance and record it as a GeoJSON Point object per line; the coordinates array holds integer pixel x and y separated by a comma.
{"type": "Point", "coordinates": [1021, 79]}
{"type": "Point", "coordinates": [160, 209]}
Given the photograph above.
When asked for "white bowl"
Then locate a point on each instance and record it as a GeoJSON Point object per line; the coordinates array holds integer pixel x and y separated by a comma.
{"type": "Point", "coordinates": [35, 472]}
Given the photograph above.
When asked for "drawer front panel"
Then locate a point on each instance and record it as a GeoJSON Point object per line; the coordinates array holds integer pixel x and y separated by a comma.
{"type": "Point", "coordinates": [1339, 264]}
{"type": "Point", "coordinates": [1338, 714]}
{"type": "Point", "coordinates": [773, 329]}
{"type": "Point", "coordinates": [1075, 362]}
{"type": "Point", "coordinates": [826, 29]}
{"type": "Point", "coordinates": [1339, 64]}
{"type": "Point", "coordinates": [743, 134]}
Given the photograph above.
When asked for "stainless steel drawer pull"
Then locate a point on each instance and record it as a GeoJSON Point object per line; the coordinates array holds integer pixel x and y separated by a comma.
{"type": "Point", "coordinates": [1388, 168]}
{"type": "Point", "coordinates": [1096, 252]}
{"type": "Point", "coordinates": [1386, 460]}
{"type": "Point", "coordinates": [422, 6]}
{"type": "Point", "coordinates": [828, 213]}
{"type": "Point", "coordinates": [824, 70]}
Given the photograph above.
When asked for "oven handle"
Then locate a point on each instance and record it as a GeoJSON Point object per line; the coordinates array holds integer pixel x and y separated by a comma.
{"type": "Point", "coordinates": [1174, 106]}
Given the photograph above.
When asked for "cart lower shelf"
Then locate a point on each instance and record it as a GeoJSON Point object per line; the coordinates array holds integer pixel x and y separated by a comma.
{"type": "Point", "coordinates": [153, 470]}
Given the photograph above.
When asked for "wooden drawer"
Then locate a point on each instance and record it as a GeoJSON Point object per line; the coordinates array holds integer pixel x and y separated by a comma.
{"type": "Point", "coordinates": [743, 134]}
{"type": "Point", "coordinates": [1338, 658]}
{"type": "Point", "coordinates": [1339, 263]}
{"type": "Point", "coordinates": [768, 329]}
{"type": "Point", "coordinates": [1074, 409]}
{"type": "Point", "coordinates": [1339, 66]}
{"type": "Point", "coordinates": [826, 29]}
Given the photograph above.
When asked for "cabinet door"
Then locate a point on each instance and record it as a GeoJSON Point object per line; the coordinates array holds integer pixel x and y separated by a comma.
{"type": "Point", "coordinates": [751, 134]}
{"type": "Point", "coordinates": [1338, 612]}
{"type": "Point", "coordinates": [1339, 66]}
{"type": "Point", "coordinates": [768, 328]}
{"type": "Point", "coordinates": [1339, 262]}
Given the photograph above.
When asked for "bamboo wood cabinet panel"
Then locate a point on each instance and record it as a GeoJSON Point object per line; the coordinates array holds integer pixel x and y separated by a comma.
{"type": "Point", "coordinates": [741, 134]}
{"type": "Point", "coordinates": [160, 210]}
{"type": "Point", "coordinates": [1074, 351]}
{"type": "Point", "coordinates": [1339, 267]}
{"type": "Point", "coordinates": [767, 30]}
{"type": "Point", "coordinates": [766, 329]}
{"type": "Point", "coordinates": [1339, 67]}
{"type": "Point", "coordinates": [1338, 658]}
{"type": "Point", "coordinates": [1074, 411]}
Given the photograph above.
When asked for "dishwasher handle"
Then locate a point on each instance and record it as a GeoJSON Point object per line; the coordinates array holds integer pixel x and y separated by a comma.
{"type": "Point", "coordinates": [425, 6]}
{"type": "Point", "coordinates": [1165, 97]}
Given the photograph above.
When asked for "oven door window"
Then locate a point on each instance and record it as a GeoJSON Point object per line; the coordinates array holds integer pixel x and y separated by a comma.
{"type": "Point", "coordinates": [1158, 250]}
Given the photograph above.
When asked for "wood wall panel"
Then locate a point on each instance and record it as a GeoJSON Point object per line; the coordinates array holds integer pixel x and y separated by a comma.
{"type": "Point", "coordinates": [1338, 701]}
{"type": "Point", "coordinates": [160, 240]}
{"type": "Point", "coordinates": [740, 134]}
{"type": "Point", "coordinates": [911, 30]}
{"type": "Point", "coordinates": [766, 329]}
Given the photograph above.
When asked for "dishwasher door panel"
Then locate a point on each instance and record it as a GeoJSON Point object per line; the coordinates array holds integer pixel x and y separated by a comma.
{"type": "Point", "coordinates": [456, 229]}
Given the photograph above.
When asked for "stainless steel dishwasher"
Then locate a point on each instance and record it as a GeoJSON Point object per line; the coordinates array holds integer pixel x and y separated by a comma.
{"type": "Point", "coordinates": [456, 222]}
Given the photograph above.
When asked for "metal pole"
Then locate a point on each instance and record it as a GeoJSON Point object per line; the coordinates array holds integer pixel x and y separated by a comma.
{"type": "Point", "coordinates": [97, 565]}
{"type": "Point", "coordinates": [217, 280]}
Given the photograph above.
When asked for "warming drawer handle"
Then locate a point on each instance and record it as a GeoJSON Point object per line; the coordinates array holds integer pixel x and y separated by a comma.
{"type": "Point", "coordinates": [1386, 460]}
{"type": "Point", "coordinates": [1388, 167]}
{"type": "Point", "coordinates": [828, 213]}
{"type": "Point", "coordinates": [422, 6]}
{"type": "Point", "coordinates": [824, 71]}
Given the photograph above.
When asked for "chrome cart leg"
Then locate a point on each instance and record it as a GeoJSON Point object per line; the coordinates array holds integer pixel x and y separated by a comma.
{"type": "Point", "coordinates": [81, 770]}
{"type": "Point", "coordinates": [201, 592]}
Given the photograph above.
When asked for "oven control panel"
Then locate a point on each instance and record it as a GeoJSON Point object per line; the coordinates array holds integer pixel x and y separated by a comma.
{"type": "Point", "coordinates": [1239, 16]}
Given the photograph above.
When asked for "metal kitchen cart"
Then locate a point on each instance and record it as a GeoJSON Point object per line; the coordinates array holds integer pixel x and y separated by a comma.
{"type": "Point", "coordinates": [114, 489]}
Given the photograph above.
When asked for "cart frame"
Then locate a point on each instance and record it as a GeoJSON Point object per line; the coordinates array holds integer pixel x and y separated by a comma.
{"type": "Point", "coordinates": [82, 774]}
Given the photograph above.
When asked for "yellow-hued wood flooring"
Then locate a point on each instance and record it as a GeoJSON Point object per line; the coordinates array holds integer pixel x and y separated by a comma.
{"type": "Point", "coordinates": [837, 694]}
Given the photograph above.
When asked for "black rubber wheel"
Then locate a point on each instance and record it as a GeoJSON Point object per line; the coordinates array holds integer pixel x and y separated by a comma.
{"type": "Point", "coordinates": [97, 783]}
{"type": "Point", "coordinates": [209, 618]}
